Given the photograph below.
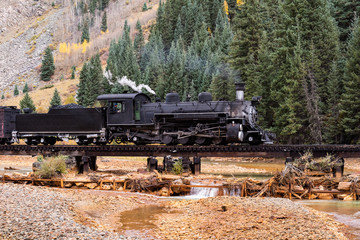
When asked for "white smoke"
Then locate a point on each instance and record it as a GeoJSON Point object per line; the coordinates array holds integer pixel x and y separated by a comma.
{"type": "Point", "coordinates": [124, 81]}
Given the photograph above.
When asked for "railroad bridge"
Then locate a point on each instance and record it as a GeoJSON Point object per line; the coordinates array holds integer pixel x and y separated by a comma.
{"type": "Point", "coordinates": [86, 155]}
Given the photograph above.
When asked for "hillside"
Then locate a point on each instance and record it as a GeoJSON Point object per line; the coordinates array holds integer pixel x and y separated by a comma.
{"type": "Point", "coordinates": [28, 27]}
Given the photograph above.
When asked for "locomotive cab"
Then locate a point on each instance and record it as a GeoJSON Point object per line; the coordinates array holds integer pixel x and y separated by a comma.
{"type": "Point", "coordinates": [124, 109]}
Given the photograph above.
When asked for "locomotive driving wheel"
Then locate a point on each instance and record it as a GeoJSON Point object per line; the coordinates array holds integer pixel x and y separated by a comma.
{"type": "Point", "coordinates": [186, 141]}
{"type": "Point", "coordinates": [218, 141]}
{"type": "Point", "coordinates": [202, 141]}
{"type": "Point", "coordinates": [168, 140]}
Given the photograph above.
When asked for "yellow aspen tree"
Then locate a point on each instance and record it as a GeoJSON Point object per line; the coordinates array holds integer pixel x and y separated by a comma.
{"type": "Point", "coordinates": [239, 2]}
{"type": "Point", "coordinates": [226, 8]}
{"type": "Point", "coordinates": [62, 48]}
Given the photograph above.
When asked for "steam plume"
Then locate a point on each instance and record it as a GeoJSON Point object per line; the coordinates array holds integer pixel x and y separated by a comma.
{"type": "Point", "coordinates": [124, 81]}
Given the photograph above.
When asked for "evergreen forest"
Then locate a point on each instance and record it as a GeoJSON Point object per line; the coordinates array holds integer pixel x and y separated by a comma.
{"type": "Point", "coordinates": [301, 56]}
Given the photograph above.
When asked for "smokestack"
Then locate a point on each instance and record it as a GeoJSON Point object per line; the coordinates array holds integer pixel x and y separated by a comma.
{"type": "Point", "coordinates": [240, 88]}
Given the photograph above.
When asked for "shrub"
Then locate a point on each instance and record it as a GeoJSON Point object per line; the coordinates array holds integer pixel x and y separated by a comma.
{"type": "Point", "coordinates": [52, 167]}
{"type": "Point", "coordinates": [178, 168]}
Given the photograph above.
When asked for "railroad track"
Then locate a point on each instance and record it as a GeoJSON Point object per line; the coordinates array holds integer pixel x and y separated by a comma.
{"type": "Point", "coordinates": [179, 150]}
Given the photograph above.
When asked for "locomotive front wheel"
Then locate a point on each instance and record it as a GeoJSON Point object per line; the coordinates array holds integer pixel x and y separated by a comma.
{"type": "Point", "coordinates": [253, 139]}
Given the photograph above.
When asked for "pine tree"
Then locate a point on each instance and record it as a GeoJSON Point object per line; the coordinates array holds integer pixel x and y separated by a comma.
{"type": "Point", "coordinates": [48, 67]}
{"type": "Point", "coordinates": [320, 43]}
{"type": "Point", "coordinates": [27, 102]}
{"type": "Point", "coordinates": [350, 101]}
{"type": "Point", "coordinates": [344, 13]}
{"type": "Point", "coordinates": [85, 33]}
{"type": "Point", "coordinates": [190, 22]}
{"type": "Point", "coordinates": [92, 7]}
{"type": "Point", "coordinates": [2, 96]}
{"type": "Point", "coordinates": [92, 82]}
{"type": "Point", "coordinates": [122, 58]}
{"type": "Point", "coordinates": [175, 70]}
{"type": "Point", "coordinates": [82, 97]}
{"type": "Point", "coordinates": [26, 88]}
{"type": "Point", "coordinates": [144, 8]}
{"type": "Point", "coordinates": [332, 127]}
{"type": "Point", "coordinates": [94, 88]}
{"type": "Point", "coordinates": [290, 117]}
{"type": "Point", "coordinates": [246, 42]}
{"type": "Point", "coordinates": [104, 23]}
{"type": "Point", "coordinates": [222, 85]}
{"type": "Point", "coordinates": [179, 29]}
{"type": "Point", "coordinates": [139, 40]}
{"type": "Point", "coordinates": [55, 100]}
{"type": "Point", "coordinates": [73, 68]}
{"type": "Point", "coordinates": [16, 91]}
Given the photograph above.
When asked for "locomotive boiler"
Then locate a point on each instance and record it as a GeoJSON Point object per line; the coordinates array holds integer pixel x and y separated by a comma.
{"type": "Point", "coordinates": [135, 118]}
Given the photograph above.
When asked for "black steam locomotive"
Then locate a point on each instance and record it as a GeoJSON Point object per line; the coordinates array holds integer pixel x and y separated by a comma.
{"type": "Point", "coordinates": [134, 118]}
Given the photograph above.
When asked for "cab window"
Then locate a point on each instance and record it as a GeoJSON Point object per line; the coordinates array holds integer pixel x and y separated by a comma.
{"type": "Point", "coordinates": [117, 107]}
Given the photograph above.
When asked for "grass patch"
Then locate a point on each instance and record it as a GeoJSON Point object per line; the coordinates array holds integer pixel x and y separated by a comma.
{"type": "Point", "coordinates": [47, 86]}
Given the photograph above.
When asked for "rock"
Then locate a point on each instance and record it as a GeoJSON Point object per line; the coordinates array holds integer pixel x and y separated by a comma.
{"type": "Point", "coordinates": [91, 185]}
{"type": "Point", "coordinates": [79, 184]}
{"type": "Point", "coordinates": [349, 197]}
{"type": "Point", "coordinates": [298, 188]}
{"type": "Point", "coordinates": [313, 196]}
{"type": "Point", "coordinates": [344, 186]}
{"type": "Point", "coordinates": [36, 166]}
{"type": "Point", "coordinates": [68, 185]}
{"type": "Point", "coordinates": [164, 192]}
{"type": "Point", "coordinates": [106, 187]}
{"type": "Point", "coordinates": [325, 196]}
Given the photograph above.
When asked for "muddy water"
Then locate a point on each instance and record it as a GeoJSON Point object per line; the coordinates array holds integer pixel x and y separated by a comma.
{"type": "Point", "coordinates": [24, 170]}
{"type": "Point", "coordinates": [139, 222]}
{"type": "Point", "coordinates": [347, 212]}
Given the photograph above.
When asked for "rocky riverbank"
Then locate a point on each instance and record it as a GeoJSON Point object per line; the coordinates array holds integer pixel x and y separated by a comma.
{"type": "Point", "coordinates": [43, 213]}
{"type": "Point", "coordinates": [29, 212]}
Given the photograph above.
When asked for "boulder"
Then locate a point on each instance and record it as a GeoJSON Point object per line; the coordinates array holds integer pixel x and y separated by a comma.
{"type": "Point", "coordinates": [325, 196]}
{"type": "Point", "coordinates": [344, 186]}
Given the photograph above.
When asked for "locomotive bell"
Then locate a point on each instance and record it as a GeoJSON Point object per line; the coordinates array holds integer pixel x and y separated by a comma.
{"type": "Point", "coordinates": [240, 88]}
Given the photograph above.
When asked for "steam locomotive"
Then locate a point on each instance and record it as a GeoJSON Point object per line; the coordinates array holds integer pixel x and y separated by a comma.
{"type": "Point", "coordinates": [135, 118]}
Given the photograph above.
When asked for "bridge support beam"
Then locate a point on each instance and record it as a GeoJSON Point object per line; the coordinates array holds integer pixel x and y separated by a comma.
{"type": "Point", "coordinates": [196, 169]}
{"type": "Point", "coordinates": [84, 164]}
{"type": "Point", "coordinates": [152, 164]}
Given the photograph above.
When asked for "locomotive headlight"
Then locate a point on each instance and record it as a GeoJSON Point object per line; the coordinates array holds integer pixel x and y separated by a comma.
{"type": "Point", "coordinates": [241, 136]}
